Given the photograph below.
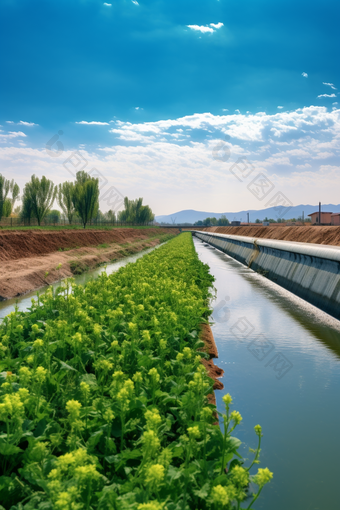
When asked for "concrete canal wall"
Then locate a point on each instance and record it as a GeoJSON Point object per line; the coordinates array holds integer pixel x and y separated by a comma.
{"type": "Point", "coordinates": [310, 271]}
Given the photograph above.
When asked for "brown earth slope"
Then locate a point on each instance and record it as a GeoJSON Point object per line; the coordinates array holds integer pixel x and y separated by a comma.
{"type": "Point", "coordinates": [27, 243]}
{"type": "Point", "coordinates": [305, 234]}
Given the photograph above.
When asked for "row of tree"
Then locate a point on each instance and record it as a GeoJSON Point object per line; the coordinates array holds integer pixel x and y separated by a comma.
{"type": "Point", "coordinates": [212, 222]}
{"type": "Point", "coordinates": [78, 199]}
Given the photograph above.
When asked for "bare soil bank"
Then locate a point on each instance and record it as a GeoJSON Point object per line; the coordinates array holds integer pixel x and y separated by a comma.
{"type": "Point", "coordinates": [27, 243]}
{"type": "Point", "coordinates": [39, 255]}
{"type": "Point", "coordinates": [213, 371]}
{"type": "Point", "coordinates": [304, 234]}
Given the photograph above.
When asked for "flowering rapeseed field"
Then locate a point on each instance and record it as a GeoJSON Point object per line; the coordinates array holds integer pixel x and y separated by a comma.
{"type": "Point", "coordinates": [103, 399]}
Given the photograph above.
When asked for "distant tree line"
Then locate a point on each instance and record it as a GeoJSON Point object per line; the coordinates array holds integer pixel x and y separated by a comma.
{"type": "Point", "coordinates": [78, 200]}
{"type": "Point", "coordinates": [212, 222]}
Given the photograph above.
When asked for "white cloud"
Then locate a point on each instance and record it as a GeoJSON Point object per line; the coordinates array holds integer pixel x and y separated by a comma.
{"type": "Point", "coordinates": [11, 134]}
{"type": "Point", "coordinates": [335, 102]}
{"type": "Point", "coordinates": [135, 2]}
{"type": "Point", "coordinates": [23, 123]}
{"type": "Point", "coordinates": [201, 29]}
{"type": "Point", "coordinates": [305, 75]}
{"type": "Point", "coordinates": [108, 5]}
{"type": "Point", "coordinates": [217, 25]}
{"type": "Point", "coordinates": [329, 85]}
{"type": "Point", "coordinates": [93, 123]}
{"type": "Point", "coordinates": [225, 110]}
{"type": "Point", "coordinates": [280, 107]}
{"type": "Point", "coordinates": [298, 150]}
{"type": "Point", "coordinates": [327, 95]}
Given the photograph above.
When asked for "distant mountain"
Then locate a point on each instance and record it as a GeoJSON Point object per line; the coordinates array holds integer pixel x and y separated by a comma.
{"type": "Point", "coordinates": [191, 216]}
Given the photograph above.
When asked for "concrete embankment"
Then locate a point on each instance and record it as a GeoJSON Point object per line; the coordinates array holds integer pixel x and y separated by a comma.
{"type": "Point", "coordinates": [310, 271]}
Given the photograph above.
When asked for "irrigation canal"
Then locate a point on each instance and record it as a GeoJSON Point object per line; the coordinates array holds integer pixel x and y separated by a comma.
{"type": "Point", "coordinates": [281, 358]}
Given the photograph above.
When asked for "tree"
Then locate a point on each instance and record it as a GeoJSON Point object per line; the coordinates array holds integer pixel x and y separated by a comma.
{"type": "Point", "coordinates": [257, 220]}
{"type": "Point", "coordinates": [39, 196]}
{"type": "Point", "coordinates": [53, 216]}
{"type": "Point", "coordinates": [111, 216]}
{"type": "Point", "coordinates": [7, 208]}
{"type": "Point", "coordinates": [65, 200]}
{"type": "Point", "coordinates": [86, 197]}
{"type": "Point", "coordinates": [5, 187]}
{"type": "Point", "coordinates": [135, 212]}
{"type": "Point", "coordinates": [223, 221]}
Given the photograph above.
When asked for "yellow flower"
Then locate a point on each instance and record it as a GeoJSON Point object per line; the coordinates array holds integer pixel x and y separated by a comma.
{"type": "Point", "coordinates": [155, 475]}
{"type": "Point", "coordinates": [155, 377]}
{"type": "Point", "coordinates": [73, 407]}
{"type": "Point", "coordinates": [240, 476]}
{"type": "Point", "coordinates": [194, 432]}
{"type": "Point", "coordinates": [38, 344]}
{"type": "Point", "coordinates": [40, 375]}
{"type": "Point", "coordinates": [236, 417]}
{"type": "Point", "coordinates": [258, 430]}
{"type": "Point", "coordinates": [263, 476]}
{"type": "Point", "coordinates": [227, 399]}
{"type": "Point", "coordinates": [220, 496]}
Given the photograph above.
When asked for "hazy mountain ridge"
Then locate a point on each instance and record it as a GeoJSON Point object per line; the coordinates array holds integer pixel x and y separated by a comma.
{"type": "Point", "coordinates": [191, 216]}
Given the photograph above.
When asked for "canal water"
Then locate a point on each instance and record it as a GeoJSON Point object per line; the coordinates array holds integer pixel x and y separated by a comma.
{"type": "Point", "coordinates": [24, 302]}
{"type": "Point", "coordinates": [281, 358]}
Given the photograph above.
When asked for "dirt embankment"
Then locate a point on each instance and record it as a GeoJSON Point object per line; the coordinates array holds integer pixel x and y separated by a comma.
{"type": "Point", "coordinates": [305, 234]}
{"type": "Point", "coordinates": [29, 259]}
{"type": "Point", "coordinates": [213, 371]}
{"type": "Point", "coordinates": [28, 243]}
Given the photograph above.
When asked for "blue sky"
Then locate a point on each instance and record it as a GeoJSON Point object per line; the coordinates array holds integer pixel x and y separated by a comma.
{"type": "Point", "coordinates": [161, 83]}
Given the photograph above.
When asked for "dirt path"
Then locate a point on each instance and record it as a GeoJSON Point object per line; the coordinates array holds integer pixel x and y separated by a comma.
{"type": "Point", "coordinates": [21, 274]}
{"type": "Point", "coordinates": [305, 234]}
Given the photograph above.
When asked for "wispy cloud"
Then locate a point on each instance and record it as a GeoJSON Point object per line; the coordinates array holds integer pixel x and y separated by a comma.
{"type": "Point", "coordinates": [22, 123]}
{"type": "Point", "coordinates": [11, 134]}
{"type": "Point", "coordinates": [327, 95]}
{"type": "Point", "coordinates": [329, 85]}
{"type": "Point", "coordinates": [202, 29]}
{"type": "Point", "coordinates": [280, 107]}
{"type": "Point", "coordinates": [135, 2]}
{"type": "Point", "coordinates": [107, 5]}
{"type": "Point", "coordinates": [217, 25]}
{"type": "Point", "coordinates": [305, 75]}
{"type": "Point", "coordinates": [93, 123]}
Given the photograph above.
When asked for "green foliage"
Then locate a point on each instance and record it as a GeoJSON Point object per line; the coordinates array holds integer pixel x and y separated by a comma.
{"type": "Point", "coordinates": [7, 208]}
{"type": "Point", "coordinates": [103, 399]}
{"type": "Point", "coordinates": [7, 186]}
{"type": "Point", "coordinates": [135, 212]}
{"type": "Point", "coordinates": [38, 197]}
{"type": "Point", "coordinates": [86, 197]}
{"type": "Point", "coordinates": [53, 216]}
{"type": "Point", "coordinates": [65, 199]}
{"type": "Point", "coordinates": [222, 221]}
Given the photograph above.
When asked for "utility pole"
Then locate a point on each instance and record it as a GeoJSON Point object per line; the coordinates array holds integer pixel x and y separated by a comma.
{"type": "Point", "coordinates": [248, 216]}
{"type": "Point", "coordinates": [319, 213]}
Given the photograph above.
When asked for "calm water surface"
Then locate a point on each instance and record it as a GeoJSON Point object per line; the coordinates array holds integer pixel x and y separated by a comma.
{"type": "Point", "coordinates": [298, 406]}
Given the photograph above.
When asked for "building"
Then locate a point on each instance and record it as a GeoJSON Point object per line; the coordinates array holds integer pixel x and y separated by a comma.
{"type": "Point", "coordinates": [335, 219]}
{"type": "Point", "coordinates": [324, 220]}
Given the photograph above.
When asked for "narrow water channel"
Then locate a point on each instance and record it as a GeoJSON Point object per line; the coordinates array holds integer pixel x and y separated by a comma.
{"type": "Point", "coordinates": [24, 302]}
{"type": "Point", "coordinates": [281, 358]}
